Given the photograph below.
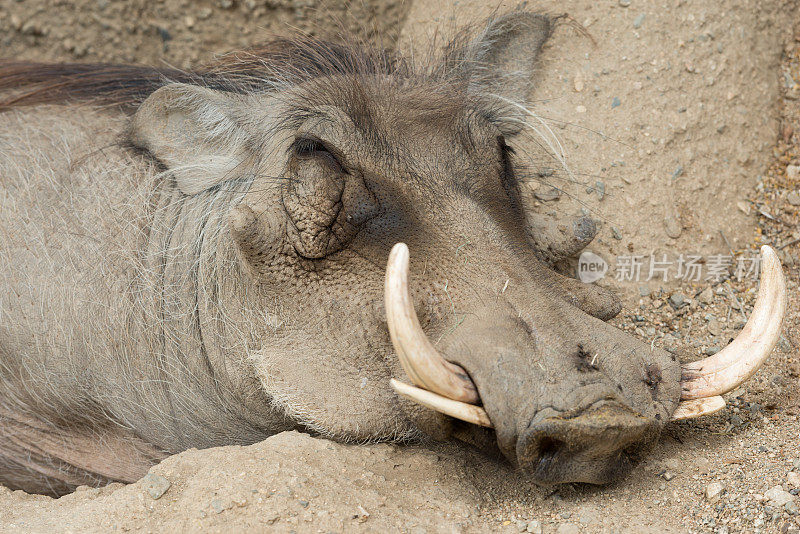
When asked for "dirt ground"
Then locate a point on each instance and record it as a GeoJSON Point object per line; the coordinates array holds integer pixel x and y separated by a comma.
{"type": "Point", "coordinates": [678, 125]}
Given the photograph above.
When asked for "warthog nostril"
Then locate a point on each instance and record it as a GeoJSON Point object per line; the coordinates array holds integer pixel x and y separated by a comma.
{"type": "Point", "coordinates": [596, 446]}
{"type": "Point", "coordinates": [548, 449]}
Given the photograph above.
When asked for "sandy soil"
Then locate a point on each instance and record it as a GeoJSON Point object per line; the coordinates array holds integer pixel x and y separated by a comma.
{"type": "Point", "coordinates": [678, 126]}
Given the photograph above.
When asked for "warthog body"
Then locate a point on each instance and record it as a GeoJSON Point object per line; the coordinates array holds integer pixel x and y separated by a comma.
{"type": "Point", "coordinates": [206, 265]}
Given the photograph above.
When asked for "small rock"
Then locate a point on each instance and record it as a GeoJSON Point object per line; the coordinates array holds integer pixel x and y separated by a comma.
{"type": "Point", "coordinates": [714, 327]}
{"type": "Point", "coordinates": [568, 528]}
{"type": "Point", "coordinates": [703, 464]}
{"type": "Point", "coordinates": [713, 491]}
{"type": "Point", "coordinates": [644, 291]}
{"type": "Point", "coordinates": [793, 479]}
{"type": "Point", "coordinates": [793, 171]}
{"type": "Point", "coordinates": [778, 497]}
{"type": "Point", "coordinates": [615, 102]}
{"type": "Point", "coordinates": [668, 475]}
{"type": "Point", "coordinates": [600, 188]}
{"type": "Point", "coordinates": [791, 507]}
{"type": "Point", "coordinates": [672, 227]}
{"type": "Point", "coordinates": [534, 527]}
{"type": "Point", "coordinates": [744, 207]}
{"type": "Point", "coordinates": [548, 195]}
{"type": "Point", "coordinates": [794, 198]}
{"type": "Point", "coordinates": [624, 3]}
{"type": "Point", "coordinates": [219, 506]}
{"type": "Point", "coordinates": [706, 296]}
{"type": "Point", "coordinates": [616, 233]}
{"type": "Point", "coordinates": [637, 22]}
{"type": "Point", "coordinates": [155, 485]}
{"type": "Point", "coordinates": [676, 300]}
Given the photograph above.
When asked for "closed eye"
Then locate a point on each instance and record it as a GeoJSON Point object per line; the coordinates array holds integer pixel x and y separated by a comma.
{"type": "Point", "coordinates": [508, 168]}
{"type": "Point", "coordinates": [306, 147]}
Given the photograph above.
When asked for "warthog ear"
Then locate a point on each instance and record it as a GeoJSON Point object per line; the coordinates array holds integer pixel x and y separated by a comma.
{"type": "Point", "coordinates": [192, 131]}
{"type": "Point", "coordinates": [504, 57]}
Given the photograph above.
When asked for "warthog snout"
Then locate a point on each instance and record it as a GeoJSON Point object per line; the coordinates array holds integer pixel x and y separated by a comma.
{"type": "Point", "coordinates": [570, 397]}
{"type": "Point", "coordinates": [597, 445]}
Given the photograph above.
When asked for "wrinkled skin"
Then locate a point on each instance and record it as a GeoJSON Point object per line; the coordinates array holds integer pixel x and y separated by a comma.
{"type": "Point", "coordinates": [252, 296]}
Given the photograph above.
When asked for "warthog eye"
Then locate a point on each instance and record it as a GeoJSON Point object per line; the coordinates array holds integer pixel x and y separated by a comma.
{"type": "Point", "coordinates": [306, 147]}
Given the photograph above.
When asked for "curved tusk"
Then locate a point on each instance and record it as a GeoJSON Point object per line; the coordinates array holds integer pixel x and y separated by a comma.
{"type": "Point", "coordinates": [738, 361]}
{"type": "Point", "coordinates": [478, 416]}
{"type": "Point", "coordinates": [696, 408]}
{"type": "Point", "coordinates": [420, 360]}
{"type": "Point", "coordinates": [460, 410]}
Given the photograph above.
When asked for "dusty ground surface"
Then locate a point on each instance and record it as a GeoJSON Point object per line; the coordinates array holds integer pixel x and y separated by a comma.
{"type": "Point", "coordinates": [679, 128]}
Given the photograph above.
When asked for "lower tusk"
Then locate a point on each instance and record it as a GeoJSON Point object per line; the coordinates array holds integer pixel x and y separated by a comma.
{"type": "Point", "coordinates": [477, 416]}
{"type": "Point", "coordinates": [697, 408]}
{"type": "Point", "coordinates": [738, 361]}
{"type": "Point", "coordinates": [420, 360]}
{"type": "Point", "coordinates": [459, 410]}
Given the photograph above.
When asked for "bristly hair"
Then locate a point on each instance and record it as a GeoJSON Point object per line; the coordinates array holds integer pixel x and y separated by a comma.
{"type": "Point", "coordinates": [266, 67]}
{"type": "Point", "coordinates": [277, 64]}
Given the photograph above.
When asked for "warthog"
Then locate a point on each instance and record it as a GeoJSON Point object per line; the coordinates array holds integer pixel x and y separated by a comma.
{"type": "Point", "coordinates": [194, 259]}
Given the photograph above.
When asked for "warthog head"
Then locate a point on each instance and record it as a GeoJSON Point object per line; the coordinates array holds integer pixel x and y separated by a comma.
{"type": "Point", "coordinates": [340, 161]}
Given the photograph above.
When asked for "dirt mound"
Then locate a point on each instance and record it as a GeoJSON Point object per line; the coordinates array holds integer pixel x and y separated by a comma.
{"type": "Point", "coordinates": [291, 481]}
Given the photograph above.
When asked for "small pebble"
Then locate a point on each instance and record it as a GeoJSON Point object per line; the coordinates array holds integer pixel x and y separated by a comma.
{"type": "Point", "coordinates": [600, 189]}
{"type": "Point", "coordinates": [637, 22]}
{"type": "Point", "coordinates": [793, 479]}
{"type": "Point", "coordinates": [714, 327]}
{"type": "Point", "coordinates": [706, 296]}
{"type": "Point", "coordinates": [793, 171]}
{"type": "Point", "coordinates": [155, 485]}
{"type": "Point", "coordinates": [219, 506]}
{"type": "Point", "coordinates": [624, 3]}
{"type": "Point", "coordinates": [615, 102]}
{"type": "Point", "coordinates": [672, 227]}
{"type": "Point", "coordinates": [778, 497]}
{"type": "Point", "coordinates": [676, 300]}
{"type": "Point", "coordinates": [568, 528]}
{"type": "Point", "coordinates": [547, 195]}
{"type": "Point", "coordinates": [713, 491]}
{"type": "Point", "coordinates": [534, 527]}
{"type": "Point", "coordinates": [616, 233]}
{"type": "Point", "coordinates": [794, 198]}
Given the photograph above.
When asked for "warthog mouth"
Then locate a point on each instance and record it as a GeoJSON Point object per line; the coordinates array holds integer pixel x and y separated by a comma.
{"type": "Point", "coordinates": [447, 388]}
